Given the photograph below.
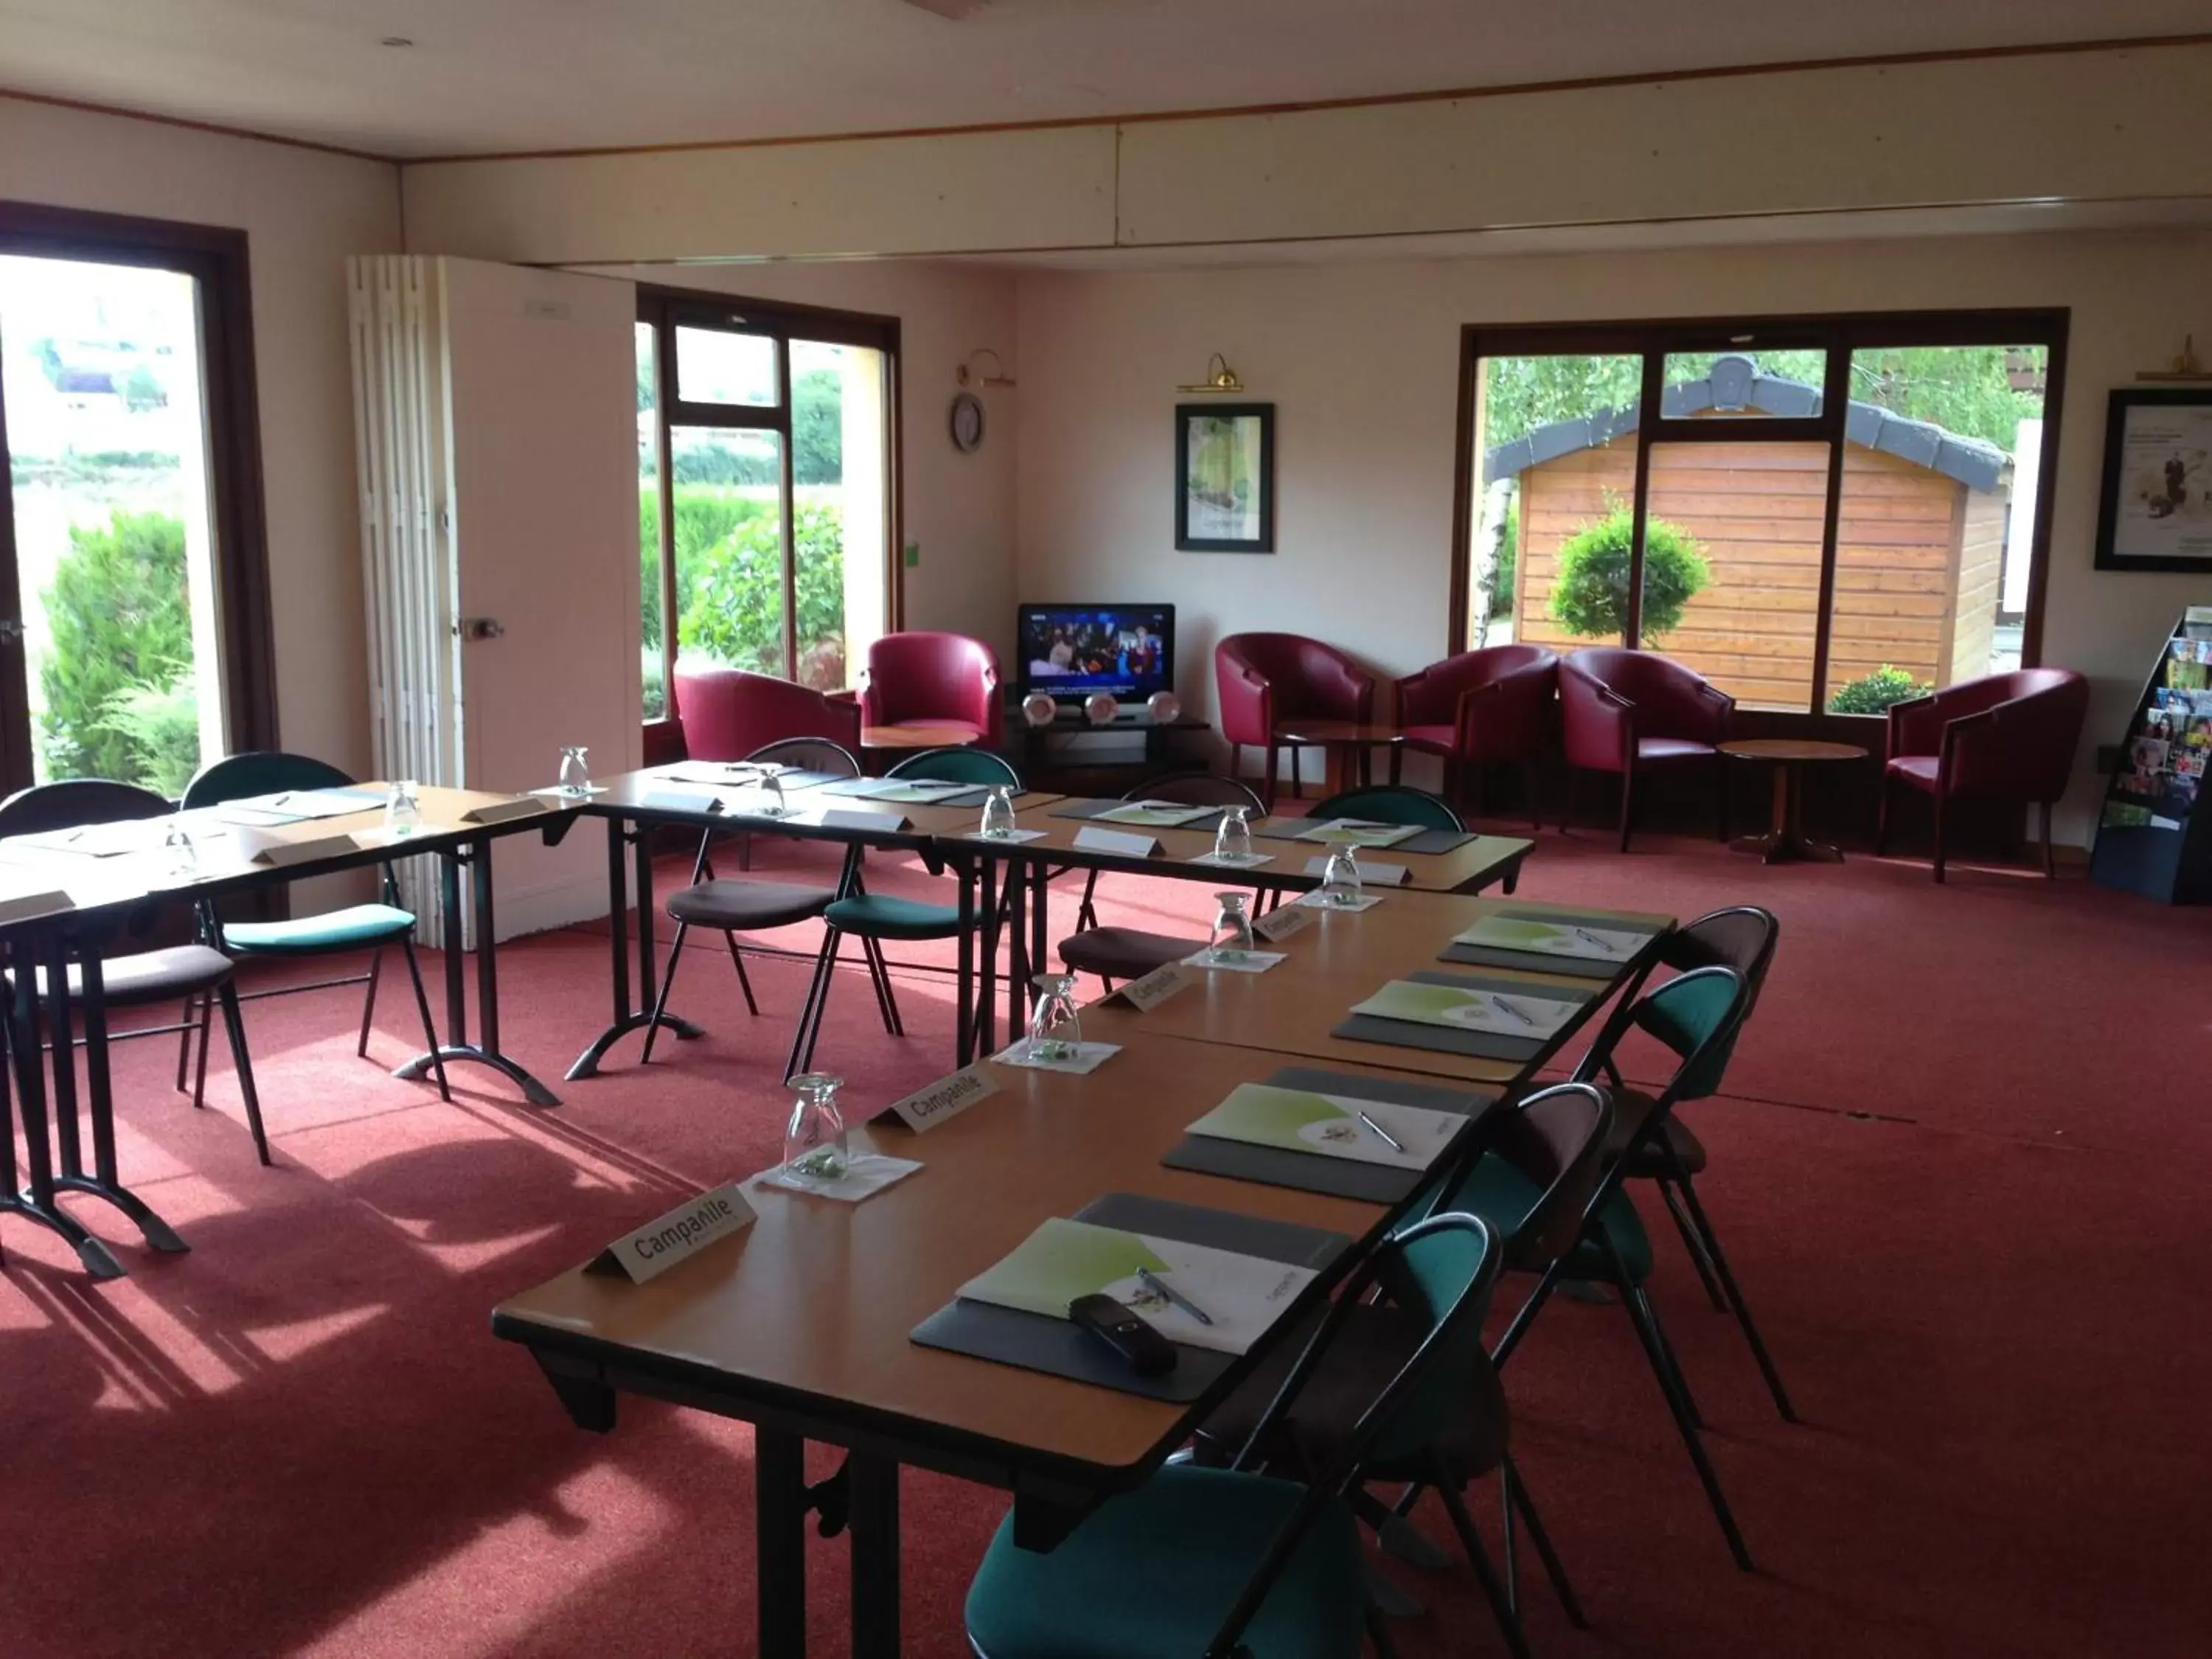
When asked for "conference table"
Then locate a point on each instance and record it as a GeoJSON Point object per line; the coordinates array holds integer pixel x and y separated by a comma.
{"type": "Point", "coordinates": [800, 1324]}
{"type": "Point", "coordinates": [1004, 886]}
{"type": "Point", "coordinates": [60, 908]}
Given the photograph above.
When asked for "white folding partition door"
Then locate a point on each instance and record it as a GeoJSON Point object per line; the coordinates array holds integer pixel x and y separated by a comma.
{"type": "Point", "coordinates": [494, 417]}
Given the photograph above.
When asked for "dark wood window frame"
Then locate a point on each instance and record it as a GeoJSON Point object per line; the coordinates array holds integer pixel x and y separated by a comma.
{"type": "Point", "coordinates": [666, 309]}
{"type": "Point", "coordinates": [217, 258]}
{"type": "Point", "coordinates": [1839, 335]}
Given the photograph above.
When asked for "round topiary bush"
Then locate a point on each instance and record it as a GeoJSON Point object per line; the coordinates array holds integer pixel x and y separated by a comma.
{"type": "Point", "coordinates": [1871, 694]}
{"type": "Point", "coordinates": [1590, 598]}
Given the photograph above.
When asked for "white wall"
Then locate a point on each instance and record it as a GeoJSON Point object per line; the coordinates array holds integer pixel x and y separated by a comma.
{"type": "Point", "coordinates": [303, 211]}
{"type": "Point", "coordinates": [1361, 361]}
{"type": "Point", "coordinates": [960, 509]}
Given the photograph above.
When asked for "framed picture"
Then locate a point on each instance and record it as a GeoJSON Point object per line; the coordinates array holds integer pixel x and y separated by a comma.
{"type": "Point", "coordinates": [2156, 513]}
{"type": "Point", "coordinates": [1225, 478]}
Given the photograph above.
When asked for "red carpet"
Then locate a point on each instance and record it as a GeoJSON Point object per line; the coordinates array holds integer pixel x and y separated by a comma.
{"type": "Point", "coordinates": [1960, 1171]}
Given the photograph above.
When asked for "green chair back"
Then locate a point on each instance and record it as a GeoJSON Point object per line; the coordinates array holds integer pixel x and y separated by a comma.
{"type": "Point", "coordinates": [67, 802]}
{"type": "Point", "coordinates": [1697, 1015]}
{"type": "Point", "coordinates": [958, 766]}
{"type": "Point", "coordinates": [1391, 803]}
{"type": "Point", "coordinates": [260, 772]}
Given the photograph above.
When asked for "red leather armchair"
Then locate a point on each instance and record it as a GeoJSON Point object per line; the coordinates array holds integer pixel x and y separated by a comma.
{"type": "Point", "coordinates": [1266, 684]}
{"type": "Point", "coordinates": [2008, 737]}
{"type": "Point", "coordinates": [727, 713]}
{"type": "Point", "coordinates": [1630, 711]}
{"type": "Point", "coordinates": [934, 679]}
{"type": "Point", "coordinates": [1480, 707]}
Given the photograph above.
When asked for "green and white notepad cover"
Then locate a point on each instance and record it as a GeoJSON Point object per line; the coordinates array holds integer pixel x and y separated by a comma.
{"type": "Point", "coordinates": [1304, 1121]}
{"type": "Point", "coordinates": [1154, 814]}
{"type": "Point", "coordinates": [1553, 938]}
{"type": "Point", "coordinates": [1359, 832]}
{"type": "Point", "coordinates": [1468, 1010]}
{"type": "Point", "coordinates": [1063, 1259]}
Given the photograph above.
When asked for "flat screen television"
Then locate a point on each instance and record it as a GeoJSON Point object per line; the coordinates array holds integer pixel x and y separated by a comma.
{"type": "Point", "coordinates": [1070, 650]}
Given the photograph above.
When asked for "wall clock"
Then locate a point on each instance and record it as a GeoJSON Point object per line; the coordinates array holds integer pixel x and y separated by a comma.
{"type": "Point", "coordinates": [967, 423]}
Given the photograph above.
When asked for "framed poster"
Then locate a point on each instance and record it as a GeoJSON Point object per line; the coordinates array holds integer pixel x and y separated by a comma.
{"type": "Point", "coordinates": [2156, 513]}
{"type": "Point", "coordinates": [1225, 478]}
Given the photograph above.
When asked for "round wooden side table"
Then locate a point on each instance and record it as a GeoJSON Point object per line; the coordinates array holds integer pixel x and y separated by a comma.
{"type": "Point", "coordinates": [877, 741]}
{"type": "Point", "coordinates": [1348, 744]}
{"type": "Point", "coordinates": [1786, 843]}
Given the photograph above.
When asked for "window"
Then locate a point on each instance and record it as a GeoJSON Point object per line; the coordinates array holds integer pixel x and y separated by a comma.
{"type": "Point", "coordinates": [1820, 515]}
{"type": "Point", "coordinates": [767, 496]}
{"type": "Point", "coordinates": [133, 620]}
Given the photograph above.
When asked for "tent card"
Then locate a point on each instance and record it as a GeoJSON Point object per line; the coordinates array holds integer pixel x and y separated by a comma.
{"type": "Point", "coordinates": [22, 907]}
{"type": "Point", "coordinates": [1117, 841]}
{"type": "Point", "coordinates": [947, 1097]}
{"type": "Point", "coordinates": [277, 852]}
{"type": "Point", "coordinates": [1155, 987]}
{"type": "Point", "coordinates": [1065, 1260]}
{"type": "Point", "coordinates": [1359, 832]}
{"type": "Point", "coordinates": [1370, 875]}
{"type": "Point", "coordinates": [506, 811]}
{"type": "Point", "coordinates": [1560, 938]}
{"type": "Point", "coordinates": [682, 1233]}
{"type": "Point", "coordinates": [1332, 1125]}
{"type": "Point", "coordinates": [1155, 814]}
{"type": "Point", "coordinates": [1521, 1015]}
{"type": "Point", "coordinates": [1280, 925]}
{"type": "Point", "coordinates": [880, 823]}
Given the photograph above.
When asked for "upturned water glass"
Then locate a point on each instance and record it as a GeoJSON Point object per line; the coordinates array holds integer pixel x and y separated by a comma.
{"type": "Point", "coordinates": [1339, 877]}
{"type": "Point", "coordinates": [575, 770]}
{"type": "Point", "coordinates": [1056, 1025]}
{"type": "Point", "coordinates": [402, 813]}
{"type": "Point", "coordinates": [999, 813]}
{"type": "Point", "coordinates": [1232, 929]}
{"type": "Point", "coordinates": [814, 1144]}
{"type": "Point", "coordinates": [1232, 838]}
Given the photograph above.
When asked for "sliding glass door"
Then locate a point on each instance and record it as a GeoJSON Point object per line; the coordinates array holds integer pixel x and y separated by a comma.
{"type": "Point", "coordinates": [767, 497]}
{"type": "Point", "coordinates": [126, 530]}
{"type": "Point", "coordinates": [1822, 516]}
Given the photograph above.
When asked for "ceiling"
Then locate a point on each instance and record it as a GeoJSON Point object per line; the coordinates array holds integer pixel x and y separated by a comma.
{"type": "Point", "coordinates": [490, 75]}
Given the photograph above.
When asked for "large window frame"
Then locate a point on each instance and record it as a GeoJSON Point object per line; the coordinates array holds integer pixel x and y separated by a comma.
{"type": "Point", "coordinates": [667, 309]}
{"type": "Point", "coordinates": [1839, 335]}
{"type": "Point", "coordinates": [216, 257]}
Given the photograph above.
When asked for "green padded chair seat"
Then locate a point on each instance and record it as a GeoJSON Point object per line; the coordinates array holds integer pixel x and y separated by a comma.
{"type": "Point", "coordinates": [879, 915]}
{"type": "Point", "coordinates": [334, 930]}
{"type": "Point", "coordinates": [1152, 1573]}
{"type": "Point", "coordinates": [1503, 1196]}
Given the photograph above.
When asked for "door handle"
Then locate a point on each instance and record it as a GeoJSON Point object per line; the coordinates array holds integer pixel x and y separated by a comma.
{"type": "Point", "coordinates": [479, 628]}
{"type": "Point", "coordinates": [11, 630]}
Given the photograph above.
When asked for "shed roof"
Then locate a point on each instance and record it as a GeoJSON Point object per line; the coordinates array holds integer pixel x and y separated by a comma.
{"type": "Point", "coordinates": [1735, 383]}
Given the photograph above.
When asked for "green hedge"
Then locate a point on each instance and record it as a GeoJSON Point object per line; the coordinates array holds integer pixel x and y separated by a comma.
{"type": "Point", "coordinates": [1590, 598]}
{"type": "Point", "coordinates": [1873, 692]}
{"type": "Point", "coordinates": [117, 677]}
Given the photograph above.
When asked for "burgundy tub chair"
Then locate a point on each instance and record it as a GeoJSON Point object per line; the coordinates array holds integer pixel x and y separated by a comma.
{"type": "Point", "coordinates": [2008, 737]}
{"type": "Point", "coordinates": [727, 713]}
{"type": "Point", "coordinates": [1631, 712]}
{"type": "Point", "coordinates": [1479, 709]}
{"type": "Point", "coordinates": [1266, 684]}
{"type": "Point", "coordinates": [934, 679]}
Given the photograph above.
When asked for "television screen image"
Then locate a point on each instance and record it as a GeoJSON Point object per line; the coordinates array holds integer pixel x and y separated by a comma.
{"type": "Point", "coordinates": [1071, 651]}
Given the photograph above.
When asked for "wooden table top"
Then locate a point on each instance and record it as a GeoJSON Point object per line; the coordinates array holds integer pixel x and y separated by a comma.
{"type": "Point", "coordinates": [149, 872]}
{"type": "Point", "coordinates": [1336, 961]}
{"type": "Point", "coordinates": [810, 1306]}
{"type": "Point", "coordinates": [1471, 863]}
{"type": "Point", "coordinates": [917, 736]}
{"type": "Point", "coordinates": [1329, 731]}
{"type": "Point", "coordinates": [627, 793]}
{"type": "Point", "coordinates": [1792, 748]}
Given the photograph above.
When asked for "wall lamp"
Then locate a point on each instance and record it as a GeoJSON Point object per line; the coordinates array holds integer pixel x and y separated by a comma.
{"type": "Point", "coordinates": [1219, 377]}
{"type": "Point", "coordinates": [967, 374]}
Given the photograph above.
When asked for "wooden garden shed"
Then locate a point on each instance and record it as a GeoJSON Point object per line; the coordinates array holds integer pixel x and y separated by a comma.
{"type": "Point", "coordinates": [1920, 539]}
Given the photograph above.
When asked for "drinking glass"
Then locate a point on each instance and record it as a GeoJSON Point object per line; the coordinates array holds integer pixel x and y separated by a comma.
{"type": "Point", "coordinates": [1055, 1026]}
{"type": "Point", "coordinates": [771, 785]}
{"type": "Point", "coordinates": [1232, 929]}
{"type": "Point", "coordinates": [1339, 877]}
{"type": "Point", "coordinates": [177, 844]}
{"type": "Point", "coordinates": [1232, 840]}
{"type": "Point", "coordinates": [576, 774]}
{"type": "Point", "coordinates": [999, 813]}
{"type": "Point", "coordinates": [814, 1140]}
{"type": "Point", "coordinates": [403, 813]}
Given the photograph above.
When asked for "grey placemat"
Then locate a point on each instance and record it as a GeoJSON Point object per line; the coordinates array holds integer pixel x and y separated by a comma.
{"type": "Point", "coordinates": [1092, 809]}
{"type": "Point", "coordinates": [1316, 1172]}
{"type": "Point", "coordinates": [1058, 1347]}
{"type": "Point", "coordinates": [859, 787]}
{"type": "Point", "coordinates": [1490, 956]}
{"type": "Point", "coordinates": [1427, 840]}
{"type": "Point", "coordinates": [1451, 1040]}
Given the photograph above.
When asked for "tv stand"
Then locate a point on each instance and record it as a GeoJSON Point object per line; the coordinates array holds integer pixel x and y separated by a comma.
{"type": "Point", "coordinates": [1055, 752]}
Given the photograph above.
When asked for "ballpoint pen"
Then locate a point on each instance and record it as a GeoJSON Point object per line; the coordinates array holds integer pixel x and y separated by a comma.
{"type": "Point", "coordinates": [1388, 1139]}
{"type": "Point", "coordinates": [1589, 938]}
{"type": "Point", "coordinates": [1510, 1009]}
{"type": "Point", "coordinates": [1151, 1280]}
